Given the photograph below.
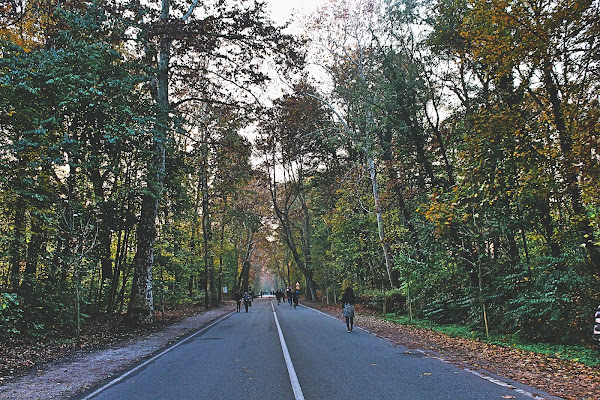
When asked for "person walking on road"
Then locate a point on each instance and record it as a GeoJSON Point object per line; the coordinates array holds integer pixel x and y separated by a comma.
{"type": "Point", "coordinates": [289, 295]}
{"type": "Point", "coordinates": [247, 300]}
{"type": "Point", "coordinates": [238, 301]}
{"type": "Point", "coordinates": [296, 296]}
{"type": "Point", "coordinates": [348, 300]}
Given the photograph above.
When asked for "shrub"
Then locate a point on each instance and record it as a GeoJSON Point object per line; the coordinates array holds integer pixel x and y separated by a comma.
{"type": "Point", "coordinates": [10, 317]}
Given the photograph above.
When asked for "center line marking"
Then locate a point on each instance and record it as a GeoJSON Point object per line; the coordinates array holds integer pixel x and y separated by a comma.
{"type": "Point", "coordinates": [288, 361]}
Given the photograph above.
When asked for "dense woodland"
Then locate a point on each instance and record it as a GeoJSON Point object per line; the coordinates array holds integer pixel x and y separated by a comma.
{"type": "Point", "coordinates": [442, 155]}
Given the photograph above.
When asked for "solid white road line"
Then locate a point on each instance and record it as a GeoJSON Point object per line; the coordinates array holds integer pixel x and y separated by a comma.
{"type": "Point", "coordinates": [288, 361]}
{"type": "Point", "coordinates": [131, 371]}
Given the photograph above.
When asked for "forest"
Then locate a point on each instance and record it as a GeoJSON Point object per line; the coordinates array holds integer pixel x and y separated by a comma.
{"type": "Point", "coordinates": [441, 156]}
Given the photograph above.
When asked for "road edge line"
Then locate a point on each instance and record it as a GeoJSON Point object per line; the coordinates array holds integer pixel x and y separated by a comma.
{"type": "Point", "coordinates": [137, 367]}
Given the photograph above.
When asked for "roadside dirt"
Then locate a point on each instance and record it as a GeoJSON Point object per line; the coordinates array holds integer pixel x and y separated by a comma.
{"type": "Point", "coordinates": [567, 379]}
{"type": "Point", "coordinates": [28, 374]}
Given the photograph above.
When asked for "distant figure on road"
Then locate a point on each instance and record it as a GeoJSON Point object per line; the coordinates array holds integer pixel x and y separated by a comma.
{"type": "Point", "coordinates": [348, 300]}
{"type": "Point", "coordinates": [295, 297]}
{"type": "Point", "coordinates": [238, 300]}
{"type": "Point", "coordinates": [279, 295]}
{"type": "Point", "coordinates": [247, 300]}
{"type": "Point", "coordinates": [289, 295]}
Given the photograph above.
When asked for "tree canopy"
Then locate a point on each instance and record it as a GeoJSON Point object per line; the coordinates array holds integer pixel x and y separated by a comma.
{"type": "Point", "coordinates": [443, 153]}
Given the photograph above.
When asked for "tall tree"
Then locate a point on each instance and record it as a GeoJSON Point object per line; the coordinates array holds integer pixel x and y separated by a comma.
{"type": "Point", "coordinates": [294, 145]}
{"type": "Point", "coordinates": [348, 33]}
{"type": "Point", "coordinates": [186, 43]}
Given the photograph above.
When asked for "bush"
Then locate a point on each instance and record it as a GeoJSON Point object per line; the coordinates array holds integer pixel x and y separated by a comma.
{"type": "Point", "coordinates": [373, 299]}
{"type": "Point", "coordinates": [555, 309]}
{"type": "Point", "coordinates": [10, 317]}
{"type": "Point", "coordinates": [449, 309]}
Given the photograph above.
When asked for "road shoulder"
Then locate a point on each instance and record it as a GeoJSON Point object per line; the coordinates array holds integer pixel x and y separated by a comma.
{"type": "Point", "coordinates": [68, 377]}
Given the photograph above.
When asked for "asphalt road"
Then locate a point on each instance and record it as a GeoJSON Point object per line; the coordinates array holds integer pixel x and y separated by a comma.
{"type": "Point", "coordinates": [279, 352]}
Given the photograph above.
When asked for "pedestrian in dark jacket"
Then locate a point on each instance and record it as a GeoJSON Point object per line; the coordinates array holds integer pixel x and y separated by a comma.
{"type": "Point", "coordinates": [247, 300]}
{"type": "Point", "coordinates": [238, 301]}
{"type": "Point", "coordinates": [289, 295]}
{"type": "Point", "coordinates": [348, 300]}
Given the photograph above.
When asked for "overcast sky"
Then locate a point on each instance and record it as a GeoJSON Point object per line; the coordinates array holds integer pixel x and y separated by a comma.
{"type": "Point", "coordinates": [283, 10]}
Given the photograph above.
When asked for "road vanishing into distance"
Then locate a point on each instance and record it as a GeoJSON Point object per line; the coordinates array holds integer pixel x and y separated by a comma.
{"type": "Point", "coordinates": [279, 352]}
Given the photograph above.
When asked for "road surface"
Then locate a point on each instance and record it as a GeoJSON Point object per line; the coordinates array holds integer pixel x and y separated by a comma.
{"type": "Point", "coordinates": [281, 352]}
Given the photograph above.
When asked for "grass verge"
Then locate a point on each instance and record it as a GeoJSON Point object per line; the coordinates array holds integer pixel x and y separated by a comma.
{"type": "Point", "coordinates": [587, 355]}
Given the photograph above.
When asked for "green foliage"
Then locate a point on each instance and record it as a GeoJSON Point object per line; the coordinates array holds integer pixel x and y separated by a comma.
{"type": "Point", "coordinates": [490, 210]}
{"type": "Point", "coordinates": [42, 312]}
{"type": "Point", "coordinates": [448, 308]}
{"type": "Point", "coordinates": [488, 179]}
{"type": "Point", "coordinates": [395, 299]}
{"type": "Point", "coordinates": [352, 238]}
{"type": "Point", "coordinates": [10, 317]}
{"type": "Point", "coordinates": [49, 311]}
{"type": "Point", "coordinates": [554, 308]}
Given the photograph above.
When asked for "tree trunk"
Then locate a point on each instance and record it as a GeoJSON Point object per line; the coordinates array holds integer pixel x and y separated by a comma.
{"type": "Point", "coordinates": [288, 238]}
{"type": "Point", "coordinates": [311, 292]}
{"type": "Point", "coordinates": [587, 235]}
{"type": "Point", "coordinates": [244, 273]}
{"type": "Point", "coordinates": [221, 250]}
{"type": "Point", "coordinates": [17, 244]}
{"type": "Point", "coordinates": [405, 212]}
{"type": "Point", "coordinates": [209, 274]}
{"type": "Point", "coordinates": [34, 248]}
{"type": "Point", "coordinates": [380, 229]}
{"type": "Point", "coordinates": [141, 303]}
{"type": "Point", "coordinates": [104, 235]}
{"type": "Point", "coordinates": [123, 235]}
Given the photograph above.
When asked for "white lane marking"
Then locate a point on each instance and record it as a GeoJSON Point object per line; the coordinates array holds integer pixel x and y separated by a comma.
{"type": "Point", "coordinates": [131, 371]}
{"type": "Point", "coordinates": [478, 374]}
{"type": "Point", "coordinates": [506, 385]}
{"type": "Point", "coordinates": [288, 361]}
